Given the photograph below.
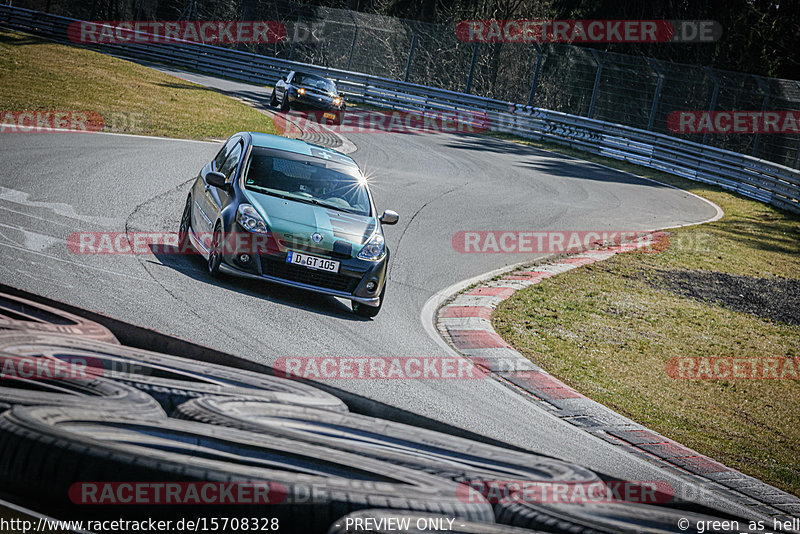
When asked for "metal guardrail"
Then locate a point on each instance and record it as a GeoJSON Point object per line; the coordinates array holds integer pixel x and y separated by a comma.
{"type": "Point", "coordinates": [752, 177]}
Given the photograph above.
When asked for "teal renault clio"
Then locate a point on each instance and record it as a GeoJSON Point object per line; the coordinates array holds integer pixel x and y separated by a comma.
{"type": "Point", "coordinates": [293, 213]}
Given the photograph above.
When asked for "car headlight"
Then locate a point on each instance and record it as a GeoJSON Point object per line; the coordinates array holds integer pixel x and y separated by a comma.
{"type": "Point", "coordinates": [337, 100]}
{"type": "Point", "coordinates": [301, 91]}
{"type": "Point", "coordinates": [374, 250]}
{"type": "Point", "coordinates": [250, 220]}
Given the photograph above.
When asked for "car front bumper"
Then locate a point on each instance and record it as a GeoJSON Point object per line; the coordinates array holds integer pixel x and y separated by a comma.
{"type": "Point", "coordinates": [349, 282]}
{"type": "Point", "coordinates": [312, 102]}
{"type": "Point", "coordinates": [228, 269]}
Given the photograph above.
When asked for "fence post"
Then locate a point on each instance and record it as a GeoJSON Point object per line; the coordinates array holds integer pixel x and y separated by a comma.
{"type": "Point", "coordinates": [714, 96]}
{"type": "Point", "coordinates": [353, 44]}
{"type": "Point", "coordinates": [294, 35]}
{"type": "Point", "coordinates": [657, 93]}
{"type": "Point", "coordinates": [764, 104]}
{"type": "Point", "coordinates": [472, 68]}
{"type": "Point", "coordinates": [535, 74]}
{"type": "Point", "coordinates": [597, 76]}
{"type": "Point", "coordinates": [411, 51]}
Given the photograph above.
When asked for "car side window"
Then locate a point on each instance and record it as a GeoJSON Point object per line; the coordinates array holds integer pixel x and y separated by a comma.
{"type": "Point", "coordinates": [223, 153]}
{"type": "Point", "coordinates": [232, 161]}
{"type": "Point", "coordinates": [289, 77]}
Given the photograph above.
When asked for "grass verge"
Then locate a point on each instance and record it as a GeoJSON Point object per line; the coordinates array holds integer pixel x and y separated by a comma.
{"type": "Point", "coordinates": [609, 329]}
{"type": "Point", "coordinates": [39, 75]}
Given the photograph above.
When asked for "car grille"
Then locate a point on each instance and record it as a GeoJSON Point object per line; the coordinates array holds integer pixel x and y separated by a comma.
{"type": "Point", "coordinates": [304, 275]}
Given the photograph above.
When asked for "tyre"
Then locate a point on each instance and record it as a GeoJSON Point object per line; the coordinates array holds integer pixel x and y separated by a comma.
{"type": "Point", "coordinates": [100, 393]}
{"type": "Point", "coordinates": [310, 486]}
{"type": "Point", "coordinates": [17, 313]}
{"type": "Point", "coordinates": [607, 518]}
{"type": "Point", "coordinates": [215, 253]}
{"type": "Point", "coordinates": [184, 243]}
{"type": "Point", "coordinates": [171, 380]}
{"type": "Point", "coordinates": [443, 455]}
{"type": "Point", "coordinates": [362, 310]}
{"type": "Point", "coordinates": [285, 106]}
{"type": "Point", "coordinates": [273, 102]}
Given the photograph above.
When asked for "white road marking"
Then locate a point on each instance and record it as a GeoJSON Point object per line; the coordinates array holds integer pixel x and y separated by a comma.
{"type": "Point", "coordinates": [51, 221]}
{"type": "Point", "coordinates": [59, 208]}
{"type": "Point", "coordinates": [79, 264]}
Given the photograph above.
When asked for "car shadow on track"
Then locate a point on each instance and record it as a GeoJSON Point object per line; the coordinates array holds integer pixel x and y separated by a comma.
{"type": "Point", "coordinates": [553, 162]}
{"type": "Point", "coordinates": [194, 266]}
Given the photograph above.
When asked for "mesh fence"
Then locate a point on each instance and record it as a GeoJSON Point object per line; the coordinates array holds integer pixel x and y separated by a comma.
{"type": "Point", "coordinates": [629, 90]}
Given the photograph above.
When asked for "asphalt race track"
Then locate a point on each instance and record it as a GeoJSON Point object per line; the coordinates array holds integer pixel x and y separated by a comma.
{"type": "Point", "coordinates": [52, 185]}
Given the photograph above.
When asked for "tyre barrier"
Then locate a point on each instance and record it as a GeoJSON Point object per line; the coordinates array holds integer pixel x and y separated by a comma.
{"type": "Point", "coordinates": [446, 456]}
{"type": "Point", "coordinates": [144, 419]}
{"type": "Point", "coordinates": [17, 313]}
{"type": "Point", "coordinates": [606, 518]}
{"type": "Point", "coordinates": [171, 380]}
{"type": "Point", "coordinates": [382, 521]}
{"type": "Point", "coordinates": [310, 486]}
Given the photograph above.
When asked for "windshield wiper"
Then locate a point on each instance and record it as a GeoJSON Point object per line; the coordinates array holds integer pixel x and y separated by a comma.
{"type": "Point", "coordinates": [331, 206]}
{"type": "Point", "coordinates": [313, 201]}
{"type": "Point", "coordinates": [273, 193]}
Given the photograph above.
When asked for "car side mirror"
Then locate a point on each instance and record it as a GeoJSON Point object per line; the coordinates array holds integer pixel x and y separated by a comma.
{"type": "Point", "coordinates": [217, 179]}
{"type": "Point", "coordinates": [389, 217]}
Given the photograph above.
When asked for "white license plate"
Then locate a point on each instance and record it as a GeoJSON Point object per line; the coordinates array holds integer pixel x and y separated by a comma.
{"type": "Point", "coordinates": [312, 262]}
{"type": "Point", "coordinates": [331, 116]}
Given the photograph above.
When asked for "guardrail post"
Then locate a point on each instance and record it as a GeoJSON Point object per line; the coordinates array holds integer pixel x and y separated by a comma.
{"type": "Point", "coordinates": [597, 76]}
{"type": "Point", "coordinates": [714, 96]}
{"type": "Point", "coordinates": [764, 104]}
{"type": "Point", "coordinates": [535, 74]}
{"type": "Point", "coordinates": [657, 93]}
{"type": "Point", "coordinates": [468, 88]}
{"type": "Point", "coordinates": [411, 51]}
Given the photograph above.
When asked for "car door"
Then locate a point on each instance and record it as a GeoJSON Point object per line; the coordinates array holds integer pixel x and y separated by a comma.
{"type": "Point", "coordinates": [283, 85]}
{"type": "Point", "coordinates": [217, 198]}
{"type": "Point", "coordinates": [203, 212]}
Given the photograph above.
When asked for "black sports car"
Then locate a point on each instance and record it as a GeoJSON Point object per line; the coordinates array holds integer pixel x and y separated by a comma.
{"type": "Point", "coordinates": [302, 91]}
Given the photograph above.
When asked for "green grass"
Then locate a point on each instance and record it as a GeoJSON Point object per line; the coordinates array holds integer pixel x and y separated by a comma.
{"type": "Point", "coordinates": [38, 75]}
{"type": "Point", "coordinates": [608, 330]}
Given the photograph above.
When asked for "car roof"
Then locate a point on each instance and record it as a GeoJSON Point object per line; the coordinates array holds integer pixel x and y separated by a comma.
{"type": "Point", "coordinates": [297, 146]}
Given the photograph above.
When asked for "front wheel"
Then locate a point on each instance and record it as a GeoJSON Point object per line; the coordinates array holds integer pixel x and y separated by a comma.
{"type": "Point", "coordinates": [273, 100]}
{"type": "Point", "coordinates": [186, 225]}
{"type": "Point", "coordinates": [285, 101]}
{"type": "Point", "coordinates": [362, 310]}
{"type": "Point", "coordinates": [215, 254]}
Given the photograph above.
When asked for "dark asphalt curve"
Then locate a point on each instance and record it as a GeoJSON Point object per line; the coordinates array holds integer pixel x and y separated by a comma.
{"type": "Point", "coordinates": [55, 184]}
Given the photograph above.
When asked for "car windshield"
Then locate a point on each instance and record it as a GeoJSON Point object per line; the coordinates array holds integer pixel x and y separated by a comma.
{"type": "Point", "coordinates": [316, 82]}
{"type": "Point", "coordinates": [305, 180]}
